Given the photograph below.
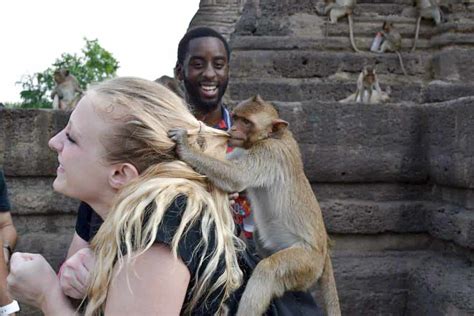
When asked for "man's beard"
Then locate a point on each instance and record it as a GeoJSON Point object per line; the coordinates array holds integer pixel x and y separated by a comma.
{"type": "Point", "coordinates": [199, 104]}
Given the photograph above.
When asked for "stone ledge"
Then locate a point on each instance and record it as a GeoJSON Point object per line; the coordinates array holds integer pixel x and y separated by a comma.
{"type": "Point", "coordinates": [35, 196]}
{"type": "Point", "coordinates": [407, 282]}
{"type": "Point", "coordinates": [270, 65]}
{"type": "Point", "coordinates": [451, 223]}
{"type": "Point", "coordinates": [443, 221]}
{"type": "Point", "coordinates": [441, 286]}
{"type": "Point", "coordinates": [244, 42]}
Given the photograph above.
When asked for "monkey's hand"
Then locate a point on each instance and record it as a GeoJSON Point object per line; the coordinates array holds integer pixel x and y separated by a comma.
{"type": "Point", "coordinates": [180, 136]}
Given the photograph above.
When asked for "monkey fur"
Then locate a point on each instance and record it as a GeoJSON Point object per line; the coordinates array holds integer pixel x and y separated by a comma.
{"type": "Point", "coordinates": [366, 84]}
{"type": "Point", "coordinates": [392, 42]}
{"type": "Point", "coordinates": [428, 9]}
{"type": "Point", "coordinates": [292, 238]}
{"type": "Point", "coordinates": [338, 9]}
{"type": "Point", "coordinates": [64, 93]}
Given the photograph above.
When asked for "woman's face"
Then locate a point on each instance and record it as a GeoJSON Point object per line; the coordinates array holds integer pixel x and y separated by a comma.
{"type": "Point", "coordinates": [83, 171]}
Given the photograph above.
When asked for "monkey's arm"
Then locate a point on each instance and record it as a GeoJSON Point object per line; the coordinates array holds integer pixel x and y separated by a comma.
{"type": "Point", "coordinates": [229, 175]}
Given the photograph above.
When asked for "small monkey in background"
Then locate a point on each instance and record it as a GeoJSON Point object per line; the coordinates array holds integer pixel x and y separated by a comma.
{"type": "Point", "coordinates": [368, 88]}
{"type": "Point", "coordinates": [392, 42]}
{"type": "Point", "coordinates": [172, 84]}
{"type": "Point", "coordinates": [367, 81]}
{"type": "Point", "coordinates": [291, 236]}
{"type": "Point", "coordinates": [428, 9]}
{"type": "Point", "coordinates": [338, 9]}
{"type": "Point", "coordinates": [64, 93]}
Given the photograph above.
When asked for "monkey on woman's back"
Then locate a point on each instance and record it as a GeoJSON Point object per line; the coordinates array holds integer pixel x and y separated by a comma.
{"type": "Point", "coordinates": [291, 236]}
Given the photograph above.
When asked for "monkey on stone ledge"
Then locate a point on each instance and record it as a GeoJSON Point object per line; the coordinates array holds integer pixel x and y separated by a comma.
{"type": "Point", "coordinates": [64, 93]}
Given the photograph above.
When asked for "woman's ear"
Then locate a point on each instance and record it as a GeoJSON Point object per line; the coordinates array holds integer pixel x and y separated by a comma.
{"type": "Point", "coordinates": [122, 174]}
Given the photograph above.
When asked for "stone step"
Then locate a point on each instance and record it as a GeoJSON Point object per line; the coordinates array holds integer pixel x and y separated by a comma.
{"type": "Point", "coordinates": [452, 223]}
{"type": "Point", "coordinates": [290, 90]}
{"type": "Point", "coordinates": [403, 283]}
{"type": "Point", "coordinates": [320, 64]}
{"type": "Point", "coordinates": [398, 2]}
{"type": "Point", "coordinates": [315, 43]}
{"type": "Point", "coordinates": [369, 29]}
{"type": "Point", "coordinates": [441, 285]}
{"type": "Point", "coordinates": [372, 283]}
{"type": "Point", "coordinates": [383, 9]}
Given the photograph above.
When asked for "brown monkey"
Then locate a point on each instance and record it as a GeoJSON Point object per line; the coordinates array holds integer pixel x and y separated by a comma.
{"type": "Point", "coordinates": [367, 82]}
{"type": "Point", "coordinates": [392, 42]}
{"type": "Point", "coordinates": [64, 94]}
{"type": "Point", "coordinates": [292, 238]}
{"type": "Point", "coordinates": [428, 9]}
{"type": "Point", "coordinates": [172, 84]}
{"type": "Point", "coordinates": [338, 9]}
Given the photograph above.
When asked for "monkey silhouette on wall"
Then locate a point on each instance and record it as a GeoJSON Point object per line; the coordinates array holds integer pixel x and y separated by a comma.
{"type": "Point", "coordinates": [291, 235]}
{"type": "Point", "coordinates": [67, 91]}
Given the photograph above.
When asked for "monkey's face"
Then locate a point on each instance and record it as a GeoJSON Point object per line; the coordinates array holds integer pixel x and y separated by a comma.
{"type": "Point", "coordinates": [205, 73]}
{"type": "Point", "coordinates": [241, 131]}
{"type": "Point", "coordinates": [58, 77]}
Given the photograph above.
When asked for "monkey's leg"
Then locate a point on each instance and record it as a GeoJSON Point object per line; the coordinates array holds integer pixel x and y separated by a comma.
{"type": "Point", "coordinates": [336, 13]}
{"type": "Point", "coordinates": [290, 269]}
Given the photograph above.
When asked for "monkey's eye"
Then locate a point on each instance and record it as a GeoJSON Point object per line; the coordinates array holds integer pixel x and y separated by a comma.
{"type": "Point", "coordinates": [246, 122]}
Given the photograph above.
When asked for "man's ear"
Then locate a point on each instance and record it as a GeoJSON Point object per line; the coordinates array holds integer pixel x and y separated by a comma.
{"type": "Point", "coordinates": [122, 174]}
{"type": "Point", "coordinates": [278, 125]}
{"type": "Point", "coordinates": [178, 72]}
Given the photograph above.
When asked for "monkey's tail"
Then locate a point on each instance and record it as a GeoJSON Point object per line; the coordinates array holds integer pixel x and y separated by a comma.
{"type": "Point", "coordinates": [401, 62]}
{"type": "Point", "coordinates": [329, 290]}
{"type": "Point", "coordinates": [416, 33]}
{"type": "Point", "coordinates": [351, 33]}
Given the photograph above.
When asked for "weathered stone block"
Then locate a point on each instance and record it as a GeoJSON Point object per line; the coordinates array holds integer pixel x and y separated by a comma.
{"type": "Point", "coordinates": [26, 141]}
{"type": "Point", "coordinates": [368, 217]}
{"type": "Point", "coordinates": [35, 195]}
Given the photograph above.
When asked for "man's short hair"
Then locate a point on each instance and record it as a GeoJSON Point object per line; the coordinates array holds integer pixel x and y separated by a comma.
{"type": "Point", "coordinates": [197, 33]}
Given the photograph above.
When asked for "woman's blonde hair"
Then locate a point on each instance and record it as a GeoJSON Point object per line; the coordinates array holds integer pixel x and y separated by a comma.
{"type": "Point", "coordinates": [141, 113]}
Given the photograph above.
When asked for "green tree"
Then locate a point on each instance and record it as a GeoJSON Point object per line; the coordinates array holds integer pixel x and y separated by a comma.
{"type": "Point", "coordinates": [94, 65]}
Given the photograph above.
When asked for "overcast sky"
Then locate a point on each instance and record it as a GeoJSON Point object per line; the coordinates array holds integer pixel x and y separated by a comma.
{"type": "Point", "coordinates": [142, 35]}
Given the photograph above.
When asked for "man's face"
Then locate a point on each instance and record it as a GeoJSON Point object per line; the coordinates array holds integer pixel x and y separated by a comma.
{"type": "Point", "coordinates": [205, 73]}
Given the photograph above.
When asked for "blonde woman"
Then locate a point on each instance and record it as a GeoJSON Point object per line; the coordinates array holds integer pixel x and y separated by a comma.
{"type": "Point", "coordinates": [167, 244]}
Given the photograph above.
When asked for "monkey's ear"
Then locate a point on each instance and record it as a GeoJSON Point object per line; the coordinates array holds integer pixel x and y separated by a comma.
{"type": "Point", "coordinates": [278, 125]}
{"type": "Point", "coordinates": [257, 98]}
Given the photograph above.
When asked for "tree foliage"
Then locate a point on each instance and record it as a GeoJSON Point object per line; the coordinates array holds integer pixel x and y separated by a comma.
{"type": "Point", "coordinates": [94, 65]}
